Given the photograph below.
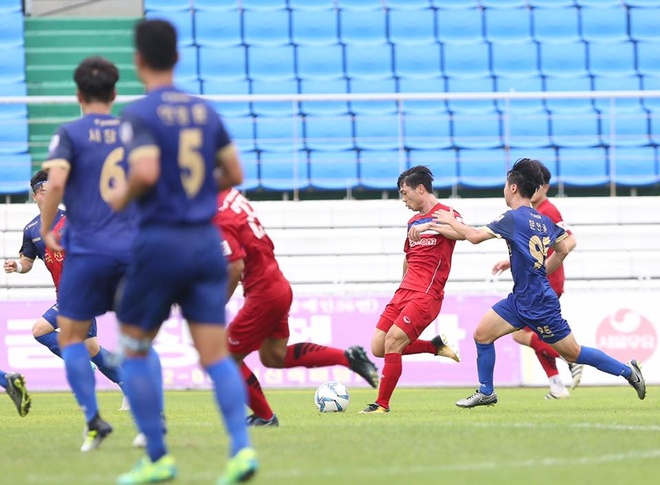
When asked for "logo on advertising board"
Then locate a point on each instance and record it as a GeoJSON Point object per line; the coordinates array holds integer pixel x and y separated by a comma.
{"type": "Point", "coordinates": [627, 334]}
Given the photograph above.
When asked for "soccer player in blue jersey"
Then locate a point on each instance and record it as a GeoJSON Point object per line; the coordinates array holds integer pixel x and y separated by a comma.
{"type": "Point", "coordinates": [176, 147]}
{"type": "Point", "coordinates": [85, 159]}
{"type": "Point", "coordinates": [14, 384]}
{"type": "Point", "coordinates": [533, 302]}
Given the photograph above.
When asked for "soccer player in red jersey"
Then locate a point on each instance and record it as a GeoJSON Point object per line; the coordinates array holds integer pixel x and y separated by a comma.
{"type": "Point", "coordinates": [546, 355]}
{"type": "Point", "coordinates": [417, 301]}
{"type": "Point", "coordinates": [263, 321]}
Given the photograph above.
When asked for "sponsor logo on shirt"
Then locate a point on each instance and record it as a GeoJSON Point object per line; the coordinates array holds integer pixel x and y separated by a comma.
{"type": "Point", "coordinates": [425, 241]}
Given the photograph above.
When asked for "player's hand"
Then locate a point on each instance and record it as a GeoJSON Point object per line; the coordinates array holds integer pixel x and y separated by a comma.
{"type": "Point", "coordinates": [501, 266]}
{"type": "Point", "coordinates": [52, 241]}
{"type": "Point", "coordinates": [444, 216]}
{"type": "Point", "coordinates": [414, 234]}
{"type": "Point", "coordinates": [10, 266]}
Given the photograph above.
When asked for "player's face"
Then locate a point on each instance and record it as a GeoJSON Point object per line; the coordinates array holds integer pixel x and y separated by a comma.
{"type": "Point", "coordinates": [39, 195]}
{"type": "Point", "coordinates": [540, 194]}
{"type": "Point", "coordinates": [508, 193]}
{"type": "Point", "coordinates": [411, 197]}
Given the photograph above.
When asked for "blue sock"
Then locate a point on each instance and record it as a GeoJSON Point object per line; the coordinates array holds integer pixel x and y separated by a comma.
{"type": "Point", "coordinates": [101, 360]}
{"type": "Point", "coordinates": [50, 341]}
{"type": "Point", "coordinates": [3, 379]}
{"type": "Point", "coordinates": [601, 361]}
{"type": "Point", "coordinates": [231, 396]}
{"type": "Point", "coordinates": [81, 378]}
{"type": "Point", "coordinates": [143, 394]}
{"type": "Point", "coordinates": [485, 367]}
{"type": "Point", "coordinates": [156, 372]}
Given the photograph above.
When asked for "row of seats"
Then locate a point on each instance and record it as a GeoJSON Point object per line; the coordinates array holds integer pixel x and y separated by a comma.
{"type": "Point", "coordinates": [329, 26]}
{"type": "Point", "coordinates": [480, 168]}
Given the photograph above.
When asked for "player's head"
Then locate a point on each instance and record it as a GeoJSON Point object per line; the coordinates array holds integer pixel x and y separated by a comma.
{"type": "Point", "coordinates": [542, 193]}
{"type": "Point", "coordinates": [38, 184]}
{"type": "Point", "coordinates": [155, 45]}
{"type": "Point", "coordinates": [414, 185]}
{"type": "Point", "coordinates": [526, 176]}
{"type": "Point", "coordinates": [95, 78]}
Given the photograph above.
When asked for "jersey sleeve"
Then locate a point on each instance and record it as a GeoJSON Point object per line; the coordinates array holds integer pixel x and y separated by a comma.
{"type": "Point", "coordinates": [502, 227]}
{"type": "Point", "coordinates": [60, 150]}
{"type": "Point", "coordinates": [557, 233]}
{"type": "Point", "coordinates": [28, 248]}
{"type": "Point", "coordinates": [232, 249]}
{"type": "Point", "coordinates": [137, 138]}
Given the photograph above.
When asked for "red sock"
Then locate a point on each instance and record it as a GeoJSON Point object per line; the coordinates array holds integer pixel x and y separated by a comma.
{"type": "Point", "coordinates": [547, 355]}
{"type": "Point", "coordinates": [420, 347]}
{"type": "Point", "coordinates": [256, 398]}
{"type": "Point", "coordinates": [308, 355]}
{"type": "Point", "coordinates": [389, 379]}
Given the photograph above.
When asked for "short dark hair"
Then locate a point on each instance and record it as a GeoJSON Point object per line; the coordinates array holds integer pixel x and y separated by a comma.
{"type": "Point", "coordinates": [527, 175]}
{"type": "Point", "coordinates": [545, 172]}
{"type": "Point", "coordinates": [96, 78]}
{"type": "Point", "coordinates": [156, 40]}
{"type": "Point", "coordinates": [37, 179]}
{"type": "Point", "coordinates": [417, 175]}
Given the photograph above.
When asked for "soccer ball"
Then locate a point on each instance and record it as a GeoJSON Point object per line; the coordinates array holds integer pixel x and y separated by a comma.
{"type": "Point", "coordinates": [332, 397]}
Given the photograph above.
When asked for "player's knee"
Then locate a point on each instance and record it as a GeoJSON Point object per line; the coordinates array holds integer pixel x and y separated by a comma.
{"type": "Point", "coordinates": [395, 343]}
{"type": "Point", "coordinates": [93, 346]}
{"type": "Point", "coordinates": [482, 336]}
{"type": "Point", "coordinates": [41, 327]}
{"type": "Point", "coordinates": [377, 349]}
{"type": "Point", "coordinates": [271, 358]}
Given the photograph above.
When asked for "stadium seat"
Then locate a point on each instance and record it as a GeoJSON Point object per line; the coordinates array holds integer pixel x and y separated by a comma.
{"type": "Point", "coordinates": [470, 85]}
{"type": "Point", "coordinates": [167, 5]}
{"type": "Point", "coordinates": [568, 105]}
{"type": "Point", "coordinates": [417, 60]}
{"type": "Point", "coordinates": [631, 128]}
{"type": "Point", "coordinates": [218, 30]}
{"type": "Point", "coordinates": [378, 133]}
{"type": "Point", "coordinates": [364, 86]}
{"type": "Point", "coordinates": [575, 129]}
{"type": "Point", "coordinates": [655, 126]}
{"type": "Point", "coordinates": [11, 6]}
{"type": "Point", "coordinates": [182, 21]}
{"type": "Point", "coordinates": [363, 27]}
{"type": "Point", "coordinates": [481, 168]}
{"type": "Point", "coordinates": [314, 27]}
{"type": "Point", "coordinates": [226, 64]}
{"type": "Point", "coordinates": [11, 30]}
{"type": "Point", "coordinates": [380, 169]}
{"type": "Point", "coordinates": [241, 131]}
{"type": "Point", "coordinates": [411, 26]}
{"type": "Point", "coordinates": [641, 3]}
{"type": "Point", "coordinates": [266, 27]}
{"type": "Point", "coordinates": [466, 60]}
{"type": "Point", "coordinates": [284, 170]}
{"type": "Point", "coordinates": [515, 59]}
{"type": "Point", "coordinates": [644, 24]}
{"type": "Point", "coordinates": [623, 83]}
{"type": "Point", "coordinates": [278, 134]}
{"type": "Point", "coordinates": [324, 108]}
{"type": "Point", "coordinates": [14, 138]}
{"type": "Point", "coordinates": [320, 62]}
{"type": "Point", "coordinates": [214, 5]}
{"type": "Point", "coordinates": [442, 164]}
{"type": "Point", "coordinates": [425, 132]}
{"type": "Point", "coordinates": [231, 109]}
{"type": "Point", "coordinates": [477, 130]}
{"type": "Point", "coordinates": [191, 86]}
{"type": "Point", "coordinates": [603, 24]}
{"type": "Point", "coordinates": [15, 173]}
{"type": "Point", "coordinates": [420, 86]}
{"type": "Point", "coordinates": [583, 166]}
{"type": "Point", "coordinates": [551, 3]}
{"type": "Point", "coordinates": [186, 68]}
{"type": "Point", "coordinates": [311, 4]}
{"type": "Point", "coordinates": [598, 3]}
{"type": "Point", "coordinates": [408, 4]}
{"type": "Point", "coordinates": [648, 58]}
{"type": "Point", "coordinates": [335, 170]}
{"type": "Point", "coordinates": [454, 4]}
{"type": "Point", "coordinates": [556, 25]}
{"type": "Point", "coordinates": [359, 4]}
{"type": "Point", "coordinates": [568, 59]}
{"type": "Point", "coordinates": [272, 63]}
{"type": "Point", "coordinates": [527, 130]}
{"type": "Point", "coordinates": [329, 132]}
{"type": "Point", "coordinates": [267, 5]}
{"type": "Point", "coordinates": [651, 83]}
{"type": "Point", "coordinates": [507, 4]}
{"type": "Point", "coordinates": [13, 111]}
{"type": "Point", "coordinates": [507, 25]}
{"type": "Point", "coordinates": [368, 61]}
{"type": "Point", "coordinates": [611, 59]}
{"type": "Point", "coordinates": [547, 156]}
{"type": "Point", "coordinates": [250, 164]}
{"type": "Point", "coordinates": [459, 26]}
{"type": "Point", "coordinates": [636, 166]}
{"type": "Point", "coordinates": [274, 108]}
{"type": "Point", "coordinates": [516, 84]}
{"type": "Point", "coordinates": [12, 66]}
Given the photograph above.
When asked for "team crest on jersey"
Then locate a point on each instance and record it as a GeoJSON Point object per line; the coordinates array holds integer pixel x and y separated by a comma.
{"type": "Point", "coordinates": [126, 132]}
{"type": "Point", "coordinates": [54, 143]}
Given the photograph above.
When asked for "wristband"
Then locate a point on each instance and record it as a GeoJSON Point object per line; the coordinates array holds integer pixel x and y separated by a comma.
{"type": "Point", "coordinates": [19, 267]}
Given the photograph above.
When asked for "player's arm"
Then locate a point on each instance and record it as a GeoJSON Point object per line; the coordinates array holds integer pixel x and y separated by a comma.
{"type": "Point", "coordinates": [561, 250]}
{"type": "Point", "coordinates": [24, 265]}
{"type": "Point", "coordinates": [60, 155]}
{"type": "Point", "coordinates": [234, 273]}
{"type": "Point", "coordinates": [472, 234]}
{"type": "Point", "coordinates": [415, 232]}
{"type": "Point", "coordinates": [501, 266]}
{"type": "Point", "coordinates": [405, 266]}
{"type": "Point", "coordinates": [230, 173]}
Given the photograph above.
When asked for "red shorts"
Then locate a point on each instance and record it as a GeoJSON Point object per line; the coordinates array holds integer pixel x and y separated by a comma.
{"type": "Point", "coordinates": [259, 319]}
{"type": "Point", "coordinates": [411, 311]}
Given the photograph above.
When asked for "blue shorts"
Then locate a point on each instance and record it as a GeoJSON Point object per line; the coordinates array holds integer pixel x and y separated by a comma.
{"type": "Point", "coordinates": [175, 264]}
{"type": "Point", "coordinates": [547, 323]}
{"type": "Point", "coordinates": [88, 285]}
{"type": "Point", "coordinates": [51, 317]}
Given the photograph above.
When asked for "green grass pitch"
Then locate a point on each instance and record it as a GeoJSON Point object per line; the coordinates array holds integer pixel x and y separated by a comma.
{"type": "Point", "coordinates": [598, 436]}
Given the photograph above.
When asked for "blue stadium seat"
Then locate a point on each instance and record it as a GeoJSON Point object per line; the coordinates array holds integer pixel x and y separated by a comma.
{"type": "Point", "coordinates": [507, 4]}
{"type": "Point", "coordinates": [556, 24]}
{"type": "Point", "coordinates": [363, 27]}
{"type": "Point", "coordinates": [380, 169]}
{"type": "Point", "coordinates": [182, 21]}
{"type": "Point", "coordinates": [11, 30]}
{"type": "Point", "coordinates": [408, 4]}
{"type": "Point", "coordinates": [359, 4]}
{"type": "Point", "coordinates": [218, 30]}
{"type": "Point", "coordinates": [417, 60]}
{"type": "Point", "coordinates": [644, 24]}
{"type": "Point", "coordinates": [470, 85]}
{"type": "Point", "coordinates": [378, 132]}
{"type": "Point", "coordinates": [517, 84]}
{"type": "Point", "coordinates": [547, 156]}
{"type": "Point", "coordinates": [369, 61]}
{"type": "Point", "coordinates": [454, 4]}
{"type": "Point", "coordinates": [568, 105]}
{"type": "Point", "coordinates": [411, 26]}
{"type": "Point", "coordinates": [631, 128]}
{"type": "Point", "coordinates": [612, 59]}
{"type": "Point", "coordinates": [284, 170]}
{"type": "Point", "coordinates": [191, 86]}
{"type": "Point", "coordinates": [422, 85]}
{"type": "Point", "coordinates": [442, 164]}
{"type": "Point", "coordinates": [311, 4]}
{"type": "Point", "coordinates": [11, 6]}
{"type": "Point", "coordinates": [314, 27]}
{"type": "Point", "coordinates": [320, 62]}
{"type": "Point", "coordinates": [186, 69]}
{"type": "Point", "coordinates": [459, 26]}
{"type": "Point", "coordinates": [636, 166]}
{"type": "Point", "coordinates": [362, 86]}
{"type": "Point", "coordinates": [648, 58]}
{"type": "Point", "coordinates": [274, 108]}
{"type": "Point", "coordinates": [550, 3]}
{"type": "Point", "coordinates": [623, 83]}
{"type": "Point", "coordinates": [334, 170]}
{"type": "Point", "coordinates": [226, 64]}
{"type": "Point", "coordinates": [651, 83]}
{"type": "Point", "coordinates": [426, 132]}
{"type": "Point", "coordinates": [642, 3]}
{"type": "Point", "coordinates": [477, 130]}
{"type": "Point", "coordinates": [599, 3]}
{"type": "Point", "coordinates": [515, 59]}
{"type": "Point", "coordinates": [266, 27]}
{"type": "Point", "coordinates": [167, 5]}
{"type": "Point", "coordinates": [508, 25]}
{"type": "Point", "coordinates": [14, 138]}
{"type": "Point", "coordinates": [272, 63]}
{"type": "Point", "coordinates": [575, 129]}
{"type": "Point", "coordinates": [241, 131]}
{"type": "Point", "coordinates": [324, 108]}
{"type": "Point", "coordinates": [215, 5]}
{"type": "Point", "coordinates": [279, 134]}
{"type": "Point", "coordinates": [12, 66]}
{"type": "Point", "coordinates": [15, 173]}
{"type": "Point", "coordinates": [655, 125]}
{"type": "Point", "coordinates": [267, 5]}
{"type": "Point", "coordinates": [604, 24]}
{"type": "Point", "coordinates": [466, 60]}
{"type": "Point", "coordinates": [481, 168]}
{"type": "Point", "coordinates": [583, 166]}
{"type": "Point", "coordinates": [250, 164]}
{"type": "Point", "coordinates": [527, 130]}
{"type": "Point", "coordinates": [568, 59]}
{"type": "Point", "coordinates": [231, 109]}
{"type": "Point", "coordinates": [13, 111]}
{"type": "Point", "coordinates": [329, 132]}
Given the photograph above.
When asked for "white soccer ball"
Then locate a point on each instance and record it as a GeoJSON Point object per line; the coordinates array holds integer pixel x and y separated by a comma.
{"type": "Point", "coordinates": [332, 397]}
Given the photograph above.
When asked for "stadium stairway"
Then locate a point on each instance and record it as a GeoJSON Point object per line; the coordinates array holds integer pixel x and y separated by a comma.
{"type": "Point", "coordinates": [53, 49]}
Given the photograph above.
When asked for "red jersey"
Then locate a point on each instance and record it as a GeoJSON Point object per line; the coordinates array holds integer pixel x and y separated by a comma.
{"type": "Point", "coordinates": [429, 259]}
{"type": "Point", "coordinates": [245, 238]}
{"type": "Point", "coordinates": [548, 209]}
{"type": "Point", "coordinates": [55, 259]}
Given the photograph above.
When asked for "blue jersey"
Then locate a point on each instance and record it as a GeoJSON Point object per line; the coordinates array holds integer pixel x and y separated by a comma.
{"type": "Point", "coordinates": [528, 235]}
{"type": "Point", "coordinates": [33, 246]}
{"type": "Point", "coordinates": [186, 135]}
{"type": "Point", "coordinates": [91, 149]}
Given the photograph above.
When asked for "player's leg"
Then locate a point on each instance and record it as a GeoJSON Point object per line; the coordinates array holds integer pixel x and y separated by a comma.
{"type": "Point", "coordinates": [438, 345]}
{"type": "Point", "coordinates": [547, 357]}
{"type": "Point", "coordinates": [14, 384]}
{"type": "Point", "coordinates": [44, 328]}
{"type": "Point", "coordinates": [262, 413]}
